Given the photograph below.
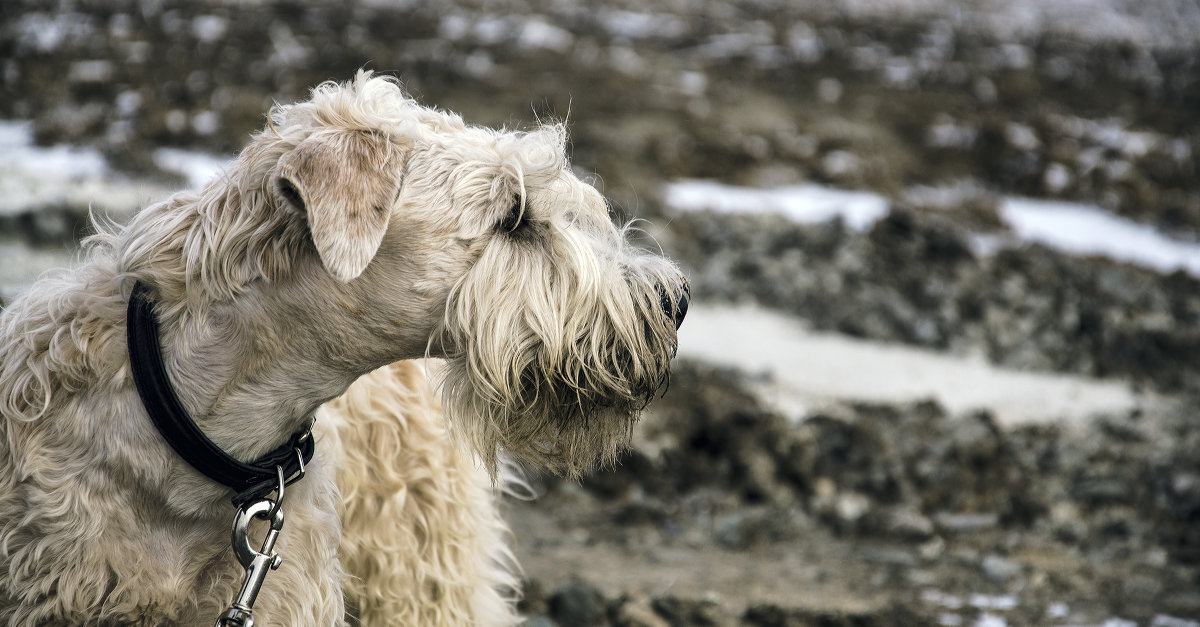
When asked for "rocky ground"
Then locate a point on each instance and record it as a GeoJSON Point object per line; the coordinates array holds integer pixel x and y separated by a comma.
{"type": "Point", "coordinates": [728, 511]}
{"type": "Point", "coordinates": [914, 278]}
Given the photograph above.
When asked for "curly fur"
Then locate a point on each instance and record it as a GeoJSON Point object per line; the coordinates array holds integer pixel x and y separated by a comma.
{"type": "Point", "coordinates": [358, 229]}
{"type": "Point", "coordinates": [394, 462]}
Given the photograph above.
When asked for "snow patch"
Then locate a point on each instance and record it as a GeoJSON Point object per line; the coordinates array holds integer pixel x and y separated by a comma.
{"type": "Point", "coordinates": [540, 35]}
{"type": "Point", "coordinates": [197, 167]}
{"type": "Point", "coordinates": [1085, 230]}
{"type": "Point", "coordinates": [630, 25]}
{"type": "Point", "coordinates": [801, 203]}
{"type": "Point", "coordinates": [1163, 620]}
{"type": "Point", "coordinates": [1070, 228]}
{"type": "Point", "coordinates": [797, 369]}
{"type": "Point", "coordinates": [32, 177]}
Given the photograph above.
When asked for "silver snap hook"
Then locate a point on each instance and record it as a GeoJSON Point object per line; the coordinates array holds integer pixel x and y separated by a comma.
{"type": "Point", "coordinates": [257, 562]}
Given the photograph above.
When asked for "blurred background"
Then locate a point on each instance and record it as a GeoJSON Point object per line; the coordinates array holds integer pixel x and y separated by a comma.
{"type": "Point", "coordinates": [943, 358]}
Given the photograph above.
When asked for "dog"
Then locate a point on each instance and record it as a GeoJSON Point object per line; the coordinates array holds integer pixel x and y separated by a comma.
{"type": "Point", "coordinates": [357, 232]}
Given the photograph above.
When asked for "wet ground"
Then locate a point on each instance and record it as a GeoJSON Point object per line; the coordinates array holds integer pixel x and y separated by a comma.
{"type": "Point", "coordinates": [733, 509]}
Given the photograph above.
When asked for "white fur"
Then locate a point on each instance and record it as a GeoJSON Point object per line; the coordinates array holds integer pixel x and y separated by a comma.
{"type": "Point", "coordinates": [357, 230]}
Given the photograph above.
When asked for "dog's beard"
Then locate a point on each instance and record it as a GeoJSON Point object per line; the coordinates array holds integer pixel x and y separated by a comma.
{"type": "Point", "coordinates": [553, 426]}
{"type": "Point", "coordinates": [554, 367]}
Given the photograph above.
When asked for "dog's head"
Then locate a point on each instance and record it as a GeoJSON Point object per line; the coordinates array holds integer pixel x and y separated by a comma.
{"type": "Point", "coordinates": [482, 247]}
{"type": "Point", "coordinates": [559, 332]}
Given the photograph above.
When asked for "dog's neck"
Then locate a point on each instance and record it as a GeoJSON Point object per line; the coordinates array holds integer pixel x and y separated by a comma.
{"type": "Point", "coordinates": [248, 378]}
{"type": "Point", "coordinates": [251, 360]}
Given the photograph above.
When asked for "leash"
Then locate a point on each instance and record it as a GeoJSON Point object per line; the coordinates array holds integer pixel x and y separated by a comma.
{"type": "Point", "coordinates": [252, 482]}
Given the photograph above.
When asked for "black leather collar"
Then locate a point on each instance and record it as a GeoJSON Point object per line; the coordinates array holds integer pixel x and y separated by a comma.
{"type": "Point", "coordinates": [250, 480]}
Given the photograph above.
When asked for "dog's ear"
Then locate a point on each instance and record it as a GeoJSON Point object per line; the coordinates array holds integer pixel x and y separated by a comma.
{"type": "Point", "coordinates": [345, 182]}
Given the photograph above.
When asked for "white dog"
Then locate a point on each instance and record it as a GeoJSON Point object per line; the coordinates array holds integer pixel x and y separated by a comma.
{"type": "Point", "coordinates": [357, 230]}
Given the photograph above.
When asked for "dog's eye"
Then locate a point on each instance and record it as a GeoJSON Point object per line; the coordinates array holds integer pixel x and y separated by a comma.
{"type": "Point", "coordinates": [515, 216]}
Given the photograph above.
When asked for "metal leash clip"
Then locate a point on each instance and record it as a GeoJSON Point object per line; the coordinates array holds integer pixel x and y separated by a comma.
{"type": "Point", "coordinates": [256, 563]}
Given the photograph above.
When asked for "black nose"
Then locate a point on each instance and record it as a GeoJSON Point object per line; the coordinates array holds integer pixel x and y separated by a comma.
{"type": "Point", "coordinates": [681, 305]}
{"type": "Point", "coordinates": [678, 309]}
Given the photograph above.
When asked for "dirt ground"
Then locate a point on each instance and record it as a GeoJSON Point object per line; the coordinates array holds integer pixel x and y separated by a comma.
{"type": "Point", "coordinates": [730, 510]}
{"type": "Point", "coordinates": [871, 515]}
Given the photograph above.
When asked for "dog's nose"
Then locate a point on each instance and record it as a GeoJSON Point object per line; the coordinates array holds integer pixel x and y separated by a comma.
{"type": "Point", "coordinates": [679, 309]}
{"type": "Point", "coordinates": [681, 305]}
